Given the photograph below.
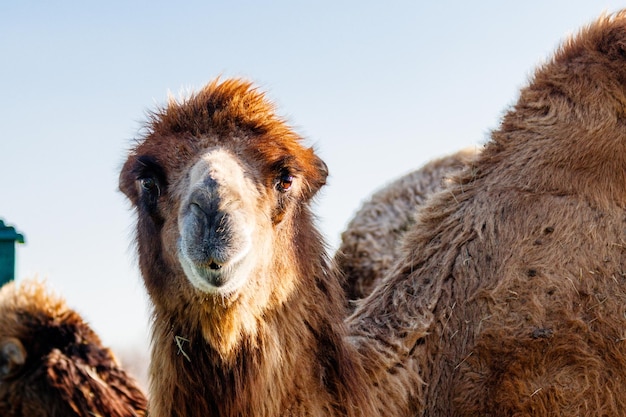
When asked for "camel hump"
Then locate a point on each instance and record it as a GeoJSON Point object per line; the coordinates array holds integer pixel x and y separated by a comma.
{"type": "Point", "coordinates": [566, 134]}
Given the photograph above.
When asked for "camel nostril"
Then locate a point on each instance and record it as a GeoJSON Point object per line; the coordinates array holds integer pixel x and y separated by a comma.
{"type": "Point", "coordinates": [196, 209]}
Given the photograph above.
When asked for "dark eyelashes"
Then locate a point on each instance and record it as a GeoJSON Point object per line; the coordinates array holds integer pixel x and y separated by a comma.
{"type": "Point", "coordinates": [284, 180]}
{"type": "Point", "coordinates": [150, 185]}
{"type": "Point", "coordinates": [150, 174]}
{"type": "Point", "coordinates": [285, 172]}
{"type": "Point", "coordinates": [151, 181]}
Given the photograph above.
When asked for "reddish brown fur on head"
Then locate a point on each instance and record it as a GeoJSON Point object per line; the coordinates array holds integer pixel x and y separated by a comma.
{"type": "Point", "coordinates": [231, 113]}
{"type": "Point", "coordinates": [53, 365]}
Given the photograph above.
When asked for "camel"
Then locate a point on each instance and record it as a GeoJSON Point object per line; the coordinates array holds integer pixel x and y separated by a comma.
{"type": "Point", "coordinates": [372, 240]}
{"type": "Point", "coordinates": [507, 296]}
{"type": "Point", "coordinates": [517, 270]}
{"type": "Point", "coordinates": [52, 364]}
{"type": "Point", "coordinates": [247, 311]}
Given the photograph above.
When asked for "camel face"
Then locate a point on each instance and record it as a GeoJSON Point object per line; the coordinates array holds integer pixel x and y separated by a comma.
{"type": "Point", "coordinates": [218, 213]}
{"type": "Point", "coordinates": [217, 222]}
{"type": "Point", "coordinates": [216, 182]}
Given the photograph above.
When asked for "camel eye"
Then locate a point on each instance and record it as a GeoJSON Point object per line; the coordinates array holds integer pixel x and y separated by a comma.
{"type": "Point", "coordinates": [284, 182]}
{"type": "Point", "coordinates": [150, 176]}
{"type": "Point", "coordinates": [148, 184]}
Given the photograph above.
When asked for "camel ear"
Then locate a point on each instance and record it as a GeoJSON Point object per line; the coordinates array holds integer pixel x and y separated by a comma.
{"type": "Point", "coordinates": [322, 170]}
{"type": "Point", "coordinates": [319, 175]}
{"type": "Point", "coordinates": [12, 357]}
{"type": "Point", "coordinates": [127, 180]}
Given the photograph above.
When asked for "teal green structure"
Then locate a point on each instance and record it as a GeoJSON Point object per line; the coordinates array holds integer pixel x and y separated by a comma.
{"type": "Point", "coordinates": [8, 238]}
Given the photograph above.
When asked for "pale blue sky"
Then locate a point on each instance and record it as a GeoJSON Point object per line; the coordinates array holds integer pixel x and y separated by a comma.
{"type": "Point", "coordinates": [377, 87]}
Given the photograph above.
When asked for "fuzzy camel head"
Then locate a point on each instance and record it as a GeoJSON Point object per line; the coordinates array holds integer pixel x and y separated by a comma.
{"type": "Point", "coordinates": [247, 312]}
{"type": "Point", "coordinates": [53, 365]}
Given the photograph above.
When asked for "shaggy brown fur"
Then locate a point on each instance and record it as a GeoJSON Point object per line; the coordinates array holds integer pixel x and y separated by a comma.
{"type": "Point", "coordinates": [518, 272]}
{"type": "Point", "coordinates": [53, 365]}
{"type": "Point", "coordinates": [371, 242]}
{"type": "Point", "coordinates": [248, 315]}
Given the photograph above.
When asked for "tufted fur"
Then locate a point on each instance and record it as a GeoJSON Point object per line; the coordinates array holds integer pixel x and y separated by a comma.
{"type": "Point", "coordinates": [53, 365]}
{"type": "Point", "coordinates": [371, 241]}
{"type": "Point", "coordinates": [248, 314]}
{"type": "Point", "coordinates": [517, 273]}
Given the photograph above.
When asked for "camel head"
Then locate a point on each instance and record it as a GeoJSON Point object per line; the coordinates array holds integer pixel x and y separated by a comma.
{"type": "Point", "coordinates": [53, 364]}
{"type": "Point", "coordinates": [216, 183]}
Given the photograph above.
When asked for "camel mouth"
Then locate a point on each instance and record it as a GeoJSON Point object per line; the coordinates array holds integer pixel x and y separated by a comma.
{"type": "Point", "coordinates": [213, 274]}
{"type": "Point", "coordinates": [206, 276]}
{"type": "Point", "coordinates": [214, 266]}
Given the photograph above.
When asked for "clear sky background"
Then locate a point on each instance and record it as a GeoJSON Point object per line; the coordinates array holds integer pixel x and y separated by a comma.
{"type": "Point", "coordinates": [377, 87]}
